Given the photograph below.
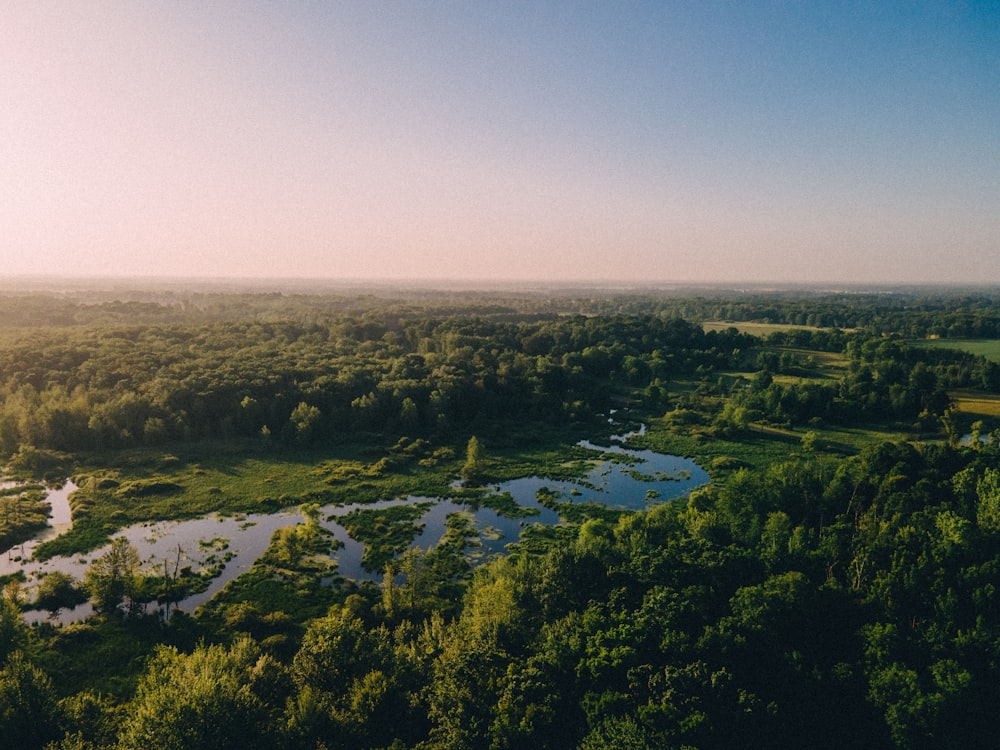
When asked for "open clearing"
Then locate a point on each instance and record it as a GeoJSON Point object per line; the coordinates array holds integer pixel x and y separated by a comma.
{"type": "Point", "coordinates": [978, 406]}
{"type": "Point", "coordinates": [755, 329]}
{"type": "Point", "coordinates": [988, 348]}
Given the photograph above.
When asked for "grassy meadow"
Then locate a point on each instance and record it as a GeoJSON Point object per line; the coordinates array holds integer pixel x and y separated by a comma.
{"type": "Point", "coordinates": [754, 328]}
{"type": "Point", "coordinates": [974, 406]}
{"type": "Point", "coordinates": [987, 348]}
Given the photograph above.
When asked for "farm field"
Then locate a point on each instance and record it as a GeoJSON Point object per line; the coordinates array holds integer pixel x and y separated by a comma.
{"type": "Point", "coordinates": [754, 328]}
{"type": "Point", "coordinates": [988, 348]}
{"type": "Point", "coordinates": [978, 406]}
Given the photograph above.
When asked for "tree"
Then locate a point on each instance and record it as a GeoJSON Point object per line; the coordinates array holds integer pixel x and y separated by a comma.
{"type": "Point", "coordinates": [988, 505]}
{"type": "Point", "coordinates": [338, 649]}
{"type": "Point", "coordinates": [28, 707]}
{"type": "Point", "coordinates": [58, 590]}
{"type": "Point", "coordinates": [304, 422]}
{"type": "Point", "coordinates": [809, 442]}
{"type": "Point", "coordinates": [13, 631]}
{"type": "Point", "coordinates": [348, 692]}
{"type": "Point", "coordinates": [620, 733]}
{"type": "Point", "coordinates": [216, 698]}
{"type": "Point", "coordinates": [472, 471]}
{"type": "Point", "coordinates": [113, 580]}
{"type": "Point", "coordinates": [409, 416]}
{"type": "Point", "coordinates": [991, 377]}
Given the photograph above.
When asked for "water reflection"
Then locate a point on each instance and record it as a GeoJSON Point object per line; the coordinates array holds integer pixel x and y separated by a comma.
{"type": "Point", "coordinates": [620, 478]}
{"type": "Point", "coordinates": [60, 521]}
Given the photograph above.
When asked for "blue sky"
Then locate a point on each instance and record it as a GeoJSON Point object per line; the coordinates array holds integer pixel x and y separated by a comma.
{"type": "Point", "coordinates": [656, 142]}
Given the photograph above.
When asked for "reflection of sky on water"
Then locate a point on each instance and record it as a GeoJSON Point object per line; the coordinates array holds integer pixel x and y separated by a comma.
{"type": "Point", "coordinates": [60, 520]}
{"type": "Point", "coordinates": [247, 536]}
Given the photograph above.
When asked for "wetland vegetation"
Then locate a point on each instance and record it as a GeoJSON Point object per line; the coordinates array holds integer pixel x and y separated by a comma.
{"type": "Point", "coordinates": [829, 582]}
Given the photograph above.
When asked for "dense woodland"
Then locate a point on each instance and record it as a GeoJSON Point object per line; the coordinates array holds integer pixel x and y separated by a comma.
{"type": "Point", "coordinates": [835, 585]}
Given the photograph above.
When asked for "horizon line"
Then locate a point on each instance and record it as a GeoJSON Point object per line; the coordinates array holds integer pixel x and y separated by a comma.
{"type": "Point", "coordinates": [474, 284]}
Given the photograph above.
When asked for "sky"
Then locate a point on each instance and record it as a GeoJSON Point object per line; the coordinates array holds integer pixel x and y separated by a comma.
{"type": "Point", "coordinates": [633, 142]}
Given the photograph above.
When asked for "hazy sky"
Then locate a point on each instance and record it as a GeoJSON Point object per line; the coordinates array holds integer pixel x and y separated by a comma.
{"type": "Point", "coordinates": [828, 141]}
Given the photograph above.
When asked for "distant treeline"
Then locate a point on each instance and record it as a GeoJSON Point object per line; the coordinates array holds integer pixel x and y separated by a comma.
{"type": "Point", "coordinates": [97, 387]}
{"type": "Point", "coordinates": [309, 368]}
{"type": "Point", "coordinates": [911, 313]}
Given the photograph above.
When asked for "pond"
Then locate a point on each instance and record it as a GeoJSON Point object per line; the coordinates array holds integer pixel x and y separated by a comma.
{"type": "Point", "coordinates": [620, 478]}
{"type": "Point", "coordinates": [60, 521]}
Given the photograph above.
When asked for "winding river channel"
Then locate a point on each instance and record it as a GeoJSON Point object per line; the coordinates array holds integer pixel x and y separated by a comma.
{"type": "Point", "coordinates": [620, 477]}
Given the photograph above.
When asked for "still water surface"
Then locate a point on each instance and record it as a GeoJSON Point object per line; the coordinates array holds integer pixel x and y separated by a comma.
{"type": "Point", "coordinates": [621, 478]}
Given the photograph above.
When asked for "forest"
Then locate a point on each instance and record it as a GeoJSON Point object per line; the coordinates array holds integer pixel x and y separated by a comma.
{"type": "Point", "coordinates": [833, 584]}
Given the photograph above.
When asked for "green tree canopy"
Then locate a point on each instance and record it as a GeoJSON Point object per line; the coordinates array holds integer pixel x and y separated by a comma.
{"type": "Point", "coordinates": [113, 581]}
{"type": "Point", "coordinates": [472, 470]}
{"type": "Point", "coordinates": [215, 698]}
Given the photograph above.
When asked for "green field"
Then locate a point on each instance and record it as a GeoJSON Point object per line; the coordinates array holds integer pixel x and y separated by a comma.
{"type": "Point", "coordinates": [977, 406]}
{"type": "Point", "coordinates": [988, 348]}
{"type": "Point", "coordinates": [753, 328]}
